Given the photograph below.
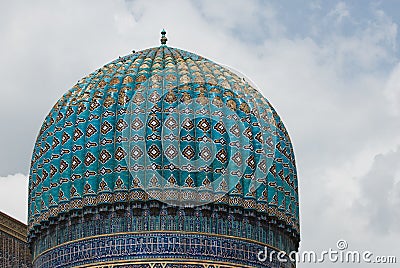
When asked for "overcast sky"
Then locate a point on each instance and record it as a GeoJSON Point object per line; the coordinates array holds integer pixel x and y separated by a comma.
{"type": "Point", "coordinates": [330, 68]}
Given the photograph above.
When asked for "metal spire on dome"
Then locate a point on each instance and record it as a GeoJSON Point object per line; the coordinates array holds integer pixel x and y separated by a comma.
{"type": "Point", "coordinates": [163, 37]}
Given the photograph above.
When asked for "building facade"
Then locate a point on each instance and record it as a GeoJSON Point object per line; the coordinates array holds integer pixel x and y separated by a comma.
{"type": "Point", "coordinates": [162, 158]}
{"type": "Point", "coordinates": [14, 249]}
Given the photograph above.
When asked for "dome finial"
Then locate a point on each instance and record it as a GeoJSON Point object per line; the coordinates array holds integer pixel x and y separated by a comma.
{"type": "Point", "coordinates": [163, 37]}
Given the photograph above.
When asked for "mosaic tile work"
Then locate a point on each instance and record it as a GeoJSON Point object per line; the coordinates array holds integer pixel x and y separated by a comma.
{"type": "Point", "coordinates": [200, 221]}
{"type": "Point", "coordinates": [79, 159]}
{"type": "Point", "coordinates": [165, 246]}
{"type": "Point", "coordinates": [14, 249]}
{"type": "Point", "coordinates": [164, 264]}
{"type": "Point", "coordinates": [127, 150]}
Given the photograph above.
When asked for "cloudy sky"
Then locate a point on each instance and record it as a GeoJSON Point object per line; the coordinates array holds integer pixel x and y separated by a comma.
{"type": "Point", "coordinates": [330, 68]}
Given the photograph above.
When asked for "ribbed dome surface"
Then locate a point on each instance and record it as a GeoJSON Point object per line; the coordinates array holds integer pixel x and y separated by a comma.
{"type": "Point", "coordinates": [122, 135]}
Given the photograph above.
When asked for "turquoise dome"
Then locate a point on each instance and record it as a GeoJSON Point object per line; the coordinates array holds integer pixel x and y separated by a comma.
{"type": "Point", "coordinates": [131, 133]}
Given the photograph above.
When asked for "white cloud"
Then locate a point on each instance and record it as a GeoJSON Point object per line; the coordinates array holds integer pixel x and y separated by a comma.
{"type": "Point", "coordinates": [380, 194]}
{"type": "Point", "coordinates": [14, 196]}
{"type": "Point", "coordinates": [250, 22]}
{"type": "Point", "coordinates": [392, 90]}
{"type": "Point", "coordinates": [369, 44]}
{"type": "Point", "coordinates": [340, 12]}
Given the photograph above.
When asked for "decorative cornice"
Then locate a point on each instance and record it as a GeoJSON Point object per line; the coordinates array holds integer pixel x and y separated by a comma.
{"type": "Point", "coordinates": [13, 227]}
{"type": "Point", "coordinates": [158, 232]}
{"type": "Point", "coordinates": [153, 247]}
{"type": "Point", "coordinates": [165, 261]}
